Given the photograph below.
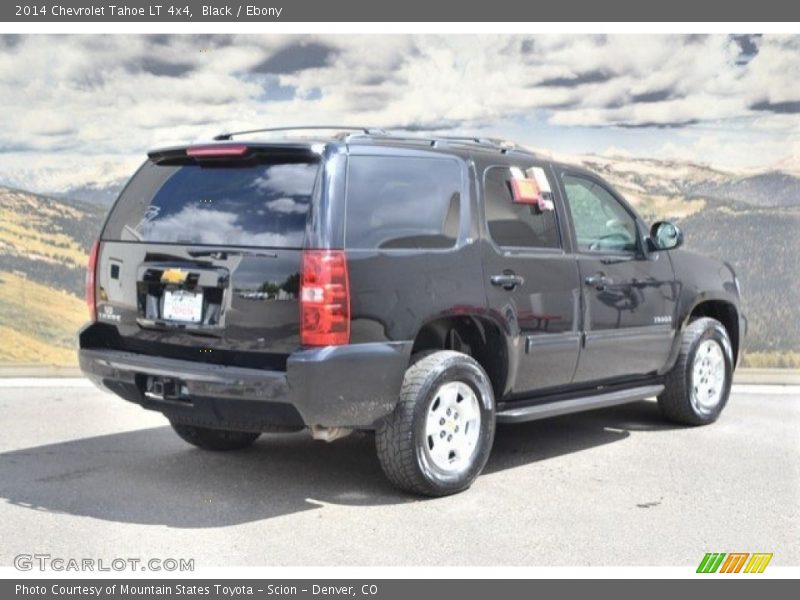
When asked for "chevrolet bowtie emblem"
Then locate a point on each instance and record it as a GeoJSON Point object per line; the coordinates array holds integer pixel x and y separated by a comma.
{"type": "Point", "coordinates": [174, 276]}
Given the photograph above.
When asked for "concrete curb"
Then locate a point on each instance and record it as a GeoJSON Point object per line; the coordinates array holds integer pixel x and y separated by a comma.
{"type": "Point", "coordinates": [767, 376]}
{"type": "Point", "coordinates": [44, 371]}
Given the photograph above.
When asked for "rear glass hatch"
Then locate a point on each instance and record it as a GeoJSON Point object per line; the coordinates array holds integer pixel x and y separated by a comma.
{"type": "Point", "coordinates": [200, 256]}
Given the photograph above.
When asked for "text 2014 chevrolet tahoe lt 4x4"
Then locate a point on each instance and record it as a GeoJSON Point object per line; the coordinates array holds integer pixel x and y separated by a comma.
{"type": "Point", "coordinates": [425, 289]}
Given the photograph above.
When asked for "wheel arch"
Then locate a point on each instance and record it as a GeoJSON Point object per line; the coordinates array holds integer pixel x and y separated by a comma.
{"type": "Point", "coordinates": [723, 311]}
{"type": "Point", "coordinates": [478, 336]}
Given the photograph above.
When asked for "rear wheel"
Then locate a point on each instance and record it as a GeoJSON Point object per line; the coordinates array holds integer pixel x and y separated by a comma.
{"type": "Point", "coordinates": [438, 439]}
{"type": "Point", "coordinates": [698, 387]}
{"type": "Point", "coordinates": [214, 439]}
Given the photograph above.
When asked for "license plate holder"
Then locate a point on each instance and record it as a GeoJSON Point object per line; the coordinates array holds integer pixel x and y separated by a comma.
{"type": "Point", "coordinates": [183, 306]}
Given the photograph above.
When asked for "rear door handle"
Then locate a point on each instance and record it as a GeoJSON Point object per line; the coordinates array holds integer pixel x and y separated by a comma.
{"type": "Point", "coordinates": [598, 281]}
{"type": "Point", "coordinates": [508, 280]}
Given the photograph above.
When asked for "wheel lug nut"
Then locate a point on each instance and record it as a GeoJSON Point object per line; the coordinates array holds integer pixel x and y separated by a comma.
{"type": "Point", "coordinates": [449, 438]}
{"type": "Point", "coordinates": [449, 412]}
{"type": "Point", "coordinates": [442, 434]}
{"type": "Point", "coordinates": [441, 421]}
{"type": "Point", "coordinates": [456, 428]}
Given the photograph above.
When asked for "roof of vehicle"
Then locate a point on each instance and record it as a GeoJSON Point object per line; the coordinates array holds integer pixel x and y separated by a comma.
{"type": "Point", "coordinates": [361, 136]}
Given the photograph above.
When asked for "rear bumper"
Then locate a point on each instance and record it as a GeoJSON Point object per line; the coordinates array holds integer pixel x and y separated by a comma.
{"type": "Point", "coordinates": [347, 386]}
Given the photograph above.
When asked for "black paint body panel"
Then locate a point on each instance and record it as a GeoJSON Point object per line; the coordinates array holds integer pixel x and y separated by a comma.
{"type": "Point", "coordinates": [559, 336]}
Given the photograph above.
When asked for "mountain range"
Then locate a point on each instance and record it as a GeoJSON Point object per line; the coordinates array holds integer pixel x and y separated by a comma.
{"type": "Point", "coordinates": [750, 219]}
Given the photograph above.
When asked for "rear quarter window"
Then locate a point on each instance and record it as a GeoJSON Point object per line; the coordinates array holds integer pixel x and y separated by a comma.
{"type": "Point", "coordinates": [263, 204]}
{"type": "Point", "coordinates": [401, 202]}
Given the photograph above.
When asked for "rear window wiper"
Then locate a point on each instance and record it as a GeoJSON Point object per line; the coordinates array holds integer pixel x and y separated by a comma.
{"type": "Point", "coordinates": [223, 254]}
{"type": "Point", "coordinates": [134, 233]}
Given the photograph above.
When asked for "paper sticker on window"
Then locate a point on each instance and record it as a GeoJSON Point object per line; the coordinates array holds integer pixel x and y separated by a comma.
{"type": "Point", "coordinates": [525, 191]}
{"type": "Point", "coordinates": [531, 187]}
{"type": "Point", "coordinates": [539, 175]}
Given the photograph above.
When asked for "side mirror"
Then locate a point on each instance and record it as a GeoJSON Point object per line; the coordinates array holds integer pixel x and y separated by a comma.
{"type": "Point", "coordinates": [665, 236]}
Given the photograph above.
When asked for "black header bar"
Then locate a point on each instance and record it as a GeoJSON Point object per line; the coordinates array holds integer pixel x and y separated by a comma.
{"type": "Point", "coordinates": [244, 11]}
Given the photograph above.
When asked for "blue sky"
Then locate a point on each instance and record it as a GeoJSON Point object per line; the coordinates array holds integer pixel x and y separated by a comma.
{"type": "Point", "coordinates": [84, 109]}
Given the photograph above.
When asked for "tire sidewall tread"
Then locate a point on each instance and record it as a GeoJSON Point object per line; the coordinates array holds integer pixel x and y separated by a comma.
{"type": "Point", "coordinates": [675, 402]}
{"type": "Point", "coordinates": [400, 436]}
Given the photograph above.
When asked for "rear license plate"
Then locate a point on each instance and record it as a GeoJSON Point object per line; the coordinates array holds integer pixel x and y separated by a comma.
{"type": "Point", "coordinates": [182, 305]}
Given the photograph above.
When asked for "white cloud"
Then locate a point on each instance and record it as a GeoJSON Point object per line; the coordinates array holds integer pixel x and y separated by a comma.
{"type": "Point", "coordinates": [93, 100]}
{"type": "Point", "coordinates": [208, 226]}
{"type": "Point", "coordinates": [287, 206]}
{"type": "Point", "coordinates": [288, 179]}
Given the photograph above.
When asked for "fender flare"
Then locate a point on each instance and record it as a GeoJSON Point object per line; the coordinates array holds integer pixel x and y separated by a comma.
{"type": "Point", "coordinates": [682, 320]}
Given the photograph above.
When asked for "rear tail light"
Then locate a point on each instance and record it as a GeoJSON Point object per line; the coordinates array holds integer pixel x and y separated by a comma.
{"type": "Point", "coordinates": [324, 299]}
{"type": "Point", "coordinates": [91, 271]}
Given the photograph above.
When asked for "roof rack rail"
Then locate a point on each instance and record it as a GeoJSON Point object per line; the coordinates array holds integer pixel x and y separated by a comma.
{"type": "Point", "coordinates": [346, 133]}
{"type": "Point", "coordinates": [365, 130]}
{"type": "Point", "coordinates": [495, 143]}
{"type": "Point", "coordinates": [483, 141]}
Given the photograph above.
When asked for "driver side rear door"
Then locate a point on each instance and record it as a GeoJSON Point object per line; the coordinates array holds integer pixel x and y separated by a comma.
{"type": "Point", "coordinates": [629, 296]}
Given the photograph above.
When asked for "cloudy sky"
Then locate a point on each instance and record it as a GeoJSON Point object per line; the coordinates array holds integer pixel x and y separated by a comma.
{"type": "Point", "coordinates": [84, 109]}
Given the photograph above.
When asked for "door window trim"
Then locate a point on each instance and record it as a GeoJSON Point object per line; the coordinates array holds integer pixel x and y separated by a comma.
{"type": "Point", "coordinates": [521, 250]}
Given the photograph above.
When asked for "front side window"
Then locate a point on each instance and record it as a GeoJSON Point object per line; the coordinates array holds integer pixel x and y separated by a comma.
{"type": "Point", "coordinates": [516, 225]}
{"type": "Point", "coordinates": [399, 202]}
{"type": "Point", "coordinates": [601, 223]}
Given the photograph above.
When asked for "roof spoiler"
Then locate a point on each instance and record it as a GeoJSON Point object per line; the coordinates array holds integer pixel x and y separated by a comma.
{"type": "Point", "coordinates": [222, 151]}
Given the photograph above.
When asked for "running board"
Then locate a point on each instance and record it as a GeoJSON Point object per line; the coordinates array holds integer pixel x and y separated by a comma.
{"type": "Point", "coordinates": [565, 407]}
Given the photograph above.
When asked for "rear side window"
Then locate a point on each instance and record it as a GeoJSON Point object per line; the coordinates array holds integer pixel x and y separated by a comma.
{"type": "Point", "coordinates": [232, 204]}
{"type": "Point", "coordinates": [516, 225]}
{"type": "Point", "coordinates": [397, 202]}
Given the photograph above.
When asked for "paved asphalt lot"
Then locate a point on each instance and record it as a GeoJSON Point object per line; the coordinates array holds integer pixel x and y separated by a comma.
{"type": "Point", "coordinates": [83, 474]}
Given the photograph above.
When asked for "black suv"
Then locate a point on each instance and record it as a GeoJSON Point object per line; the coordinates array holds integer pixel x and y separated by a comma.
{"type": "Point", "coordinates": [425, 289]}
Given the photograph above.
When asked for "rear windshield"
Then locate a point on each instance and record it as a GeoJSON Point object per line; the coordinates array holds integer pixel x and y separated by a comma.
{"type": "Point", "coordinates": [263, 204]}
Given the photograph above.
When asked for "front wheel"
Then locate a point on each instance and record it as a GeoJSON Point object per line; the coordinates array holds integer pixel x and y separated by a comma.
{"type": "Point", "coordinates": [697, 388]}
{"type": "Point", "coordinates": [438, 439]}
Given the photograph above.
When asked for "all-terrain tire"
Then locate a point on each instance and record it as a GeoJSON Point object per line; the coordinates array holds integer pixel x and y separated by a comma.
{"type": "Point", "coordinates": [680, 400]}
{"type": "Point", "coordinates": [402, 439]}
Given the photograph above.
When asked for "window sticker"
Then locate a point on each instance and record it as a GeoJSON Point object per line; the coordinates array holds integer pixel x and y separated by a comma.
{"type": "Point", "coordinates": [541, 179]}
{"type": "Point", "coordinates": [545, 199]}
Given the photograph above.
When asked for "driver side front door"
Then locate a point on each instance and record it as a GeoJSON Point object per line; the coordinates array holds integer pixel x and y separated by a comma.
{"type": "Point", "coordinates": [628, 295]}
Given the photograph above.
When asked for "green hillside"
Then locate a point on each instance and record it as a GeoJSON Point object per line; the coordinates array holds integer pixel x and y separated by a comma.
{"type": "Point", "coordinates": [763, 246]}
{"type": "Point", "coordinates": [43, 246]}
